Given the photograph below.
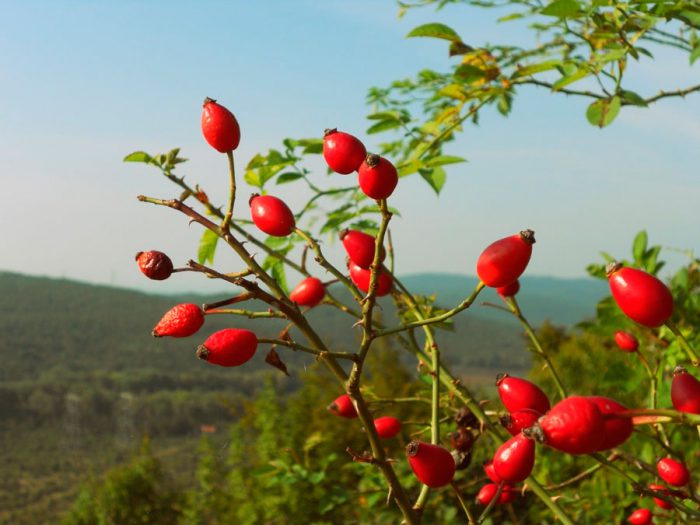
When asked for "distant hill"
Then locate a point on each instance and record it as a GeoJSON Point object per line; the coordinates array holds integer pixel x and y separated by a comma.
{"type": "Point", "coordinates": [561, 301]}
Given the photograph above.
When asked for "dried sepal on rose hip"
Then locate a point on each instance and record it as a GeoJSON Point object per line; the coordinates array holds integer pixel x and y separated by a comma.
{"type": "Point", "coordinates": [271, 215]}
{"type": "Point", "coordinates": [309, 292]}
{"type": "Point", "coordinates": [343, 407]}
{"type": "Point", "coordinates": [520, 394]}
{"type": "Point", "coordinates": [219, 126]}
{"type": "Point", "coordinates": [433, 465]}
{"type": "Point", "coordinates": [154, 265]}
{"type": "Point", "coordinates": [182, 320]}
{"type": "Point", "coordinates": [504, 260]}
{"type": "Point", "coordinates": [377, 177]}
{"type": "Point", "coordinates": [228, 347]}
{"type": "Point", "coordinates": [344, 153]}
{"type": "Point", "coordinates": [685, 391]}
{"type": "Point", "coordinates": [641, 296]}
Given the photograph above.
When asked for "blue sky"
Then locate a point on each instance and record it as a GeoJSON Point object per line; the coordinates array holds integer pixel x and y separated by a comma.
{"type": "Point", "coordinates": [85, 83]}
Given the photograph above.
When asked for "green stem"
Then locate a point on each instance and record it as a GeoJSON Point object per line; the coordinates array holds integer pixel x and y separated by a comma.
{"type": "Point", "coordinates": [232, 191]}
{"type": "Point", "coordinates": [463, 504]}
{"type": "Point", "coordinates": [539, 350]}
{"type": "Point", "coordinates": [694, 359]}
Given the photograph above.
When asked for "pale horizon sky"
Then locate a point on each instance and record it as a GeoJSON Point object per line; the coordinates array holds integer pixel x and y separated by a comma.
{"type": "Point", "coordinates": [86, 83]}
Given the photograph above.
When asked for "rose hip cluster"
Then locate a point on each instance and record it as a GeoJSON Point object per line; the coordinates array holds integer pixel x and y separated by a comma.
{"type": "Point", "coordinates": [576, 425]}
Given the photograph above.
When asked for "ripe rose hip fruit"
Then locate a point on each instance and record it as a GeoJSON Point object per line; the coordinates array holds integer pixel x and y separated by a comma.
{"type": "Point", "coordinates": [616, 429]}
{"type": "Point", "coordinates": [433, 465]}
{"type": "Point", "coordinates": [220, 127]}
{"type": "Point", "coordinates": [228, 347]}
{"type": "Point", "coordinates": [520, 394]}
{"type": "Point", "coordinates": [343, 152]}
{"type": "Point", "coordinates": [514, 460]}
{"type": "Point", "coordinates": [271, 215]}
{"type": "Point", "coordinates": [673, 472]}
{"type": "Point", "coordinates": [360, 247]}
{"type": "Point", "coordinates": [361, 278]}
{"type": "Point", "coordinates": [574, 425]}
{"type": "Point", "coordinates": [509, 290]}
{"type": "Point", "coordinates": [491, 472]}
{"type": "Point", "coordinates": [626, 341]}
{"type": "Point", "coordinates": [504, 260]}
{"type": "Point", "coordinates": [343, 407]}
{"type": "Point", "coordinates": [640, 296]}
{"type": "Point", "coordinates": [685, 391]}
{"type": "Point", "coordinates": [488, 492]}
{"type": "Point", "coordinates": [182, 320]}
{"type": "Point", "coordinates": [640, 517]}
{"type": "Point", "coordinates": [662, 490]}
{"type": "Point", "coordinates": [308, 292]}
{"type": "Point", "coordinates": [387, 426]}
{"type": "Point", "coordinates": [154, 265]}
{"type": "Point", "coordinates": [516, 421]}
{"type": "Point", "coordinates": [378, 177]}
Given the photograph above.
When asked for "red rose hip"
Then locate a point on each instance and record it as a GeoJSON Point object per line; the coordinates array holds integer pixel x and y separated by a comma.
{"type": "Point", "coordinates": [640, 295]}
{"type": "Point", "coordinates": [516, 421]}
{"type": "Point", "coordinates": [664, 491]}
{"type": "Point", "coordinates": [361, 278]}
{"type": "Point", "coordinates": [504, 260]}
{"type": "Point", "coordinates": [228, 347]}
{"type": "Point", "coordinates": [616, 429]}
{"type": "Point", "coordinates": [182, 320]}
{"type": "Point", "coordinates": [574, 425]}
{"type": "Point", "coordinates": [673, 472]}
{"type": "Point", "coordinates": [271, 215]}
{"type": "Point", "coordinates": [685, 391]}
{"type": "Point", "coordinates": [520, 394]}
{"type": "Point", "coordinates": [433, 465]}
{"type": "Point", "coordinates": [343, 152]}
{"type": "Point", "coordinates": [509, 290]}
{"type": "Point", "coordinates": [378, 177]}
{"type": "Point", "coordinates": [154, 265]}
{"type": "Point", "coordinates": [514, 460]}
{"type": "Point", "coordinates": [343, 407]}
{"type": "Point", "coordinates": [488, 492]}
{"type": "Point", "coordinates": [360, 247]}
{"type": "Point", "coordinates": [387, 427]}
{"type": "Point", "coordinates": [640, 517]}
{"type": "Point", "coordinates": [220, 127]}
{"type": "Point", "coordinates": [308, 292]}
{"type": "Point", "coordinates": [626, 341]}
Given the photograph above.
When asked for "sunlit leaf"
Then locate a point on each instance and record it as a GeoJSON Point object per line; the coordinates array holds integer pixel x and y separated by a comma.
{"type": "Point", "coordinates": [562, 8]}
{"type": "Point", "coordinates": [435, 30]}
{"type": "Point", "coordinates": [207, 247]}
{"type": "Point", "coordinates": [602, 112]}
{"type": "Point", "coordinates": [138, 156]}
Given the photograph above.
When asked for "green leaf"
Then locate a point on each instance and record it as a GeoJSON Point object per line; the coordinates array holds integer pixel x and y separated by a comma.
{"type": "Point", "coordinates": [207, 247]}
{"type": "Point", "coordinates": [138, 156]}
{"type": "Point", "coordinates": [639, 246]}
{"type": "Point", "coordinates": [442, 160]}
{"type": "Point", "coordinates": [569, 79]}
{"type": "Point", "coordinates": [562, 8]}
{"type": "Point", "coordinates": [694, 55]}
{"type": "Point", "coordinates": [383, 126]}
{"type": "Point", "coordinates": [630, 97]}
{"type": "Point", "coordinates": [468, 73]}
{"type": "Point", "coordinates": [602, 112]}
{"type": "Point", "coordinates": [453, 91]}
{"type": "Point", "coordinates": [460, 48]}
{"type": "Point", "coordinates": [277, 272]}
{"type": "Point", "coordinates": [436, 177]}
{"type": "Point", "coordinates": [435, 30]}
{"type": "Point", "coordinates": [384, 115]}
{"type": "Point", "coordinates": [289, 176]}
{"type": "Point", "coordinates": [537, 68]}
